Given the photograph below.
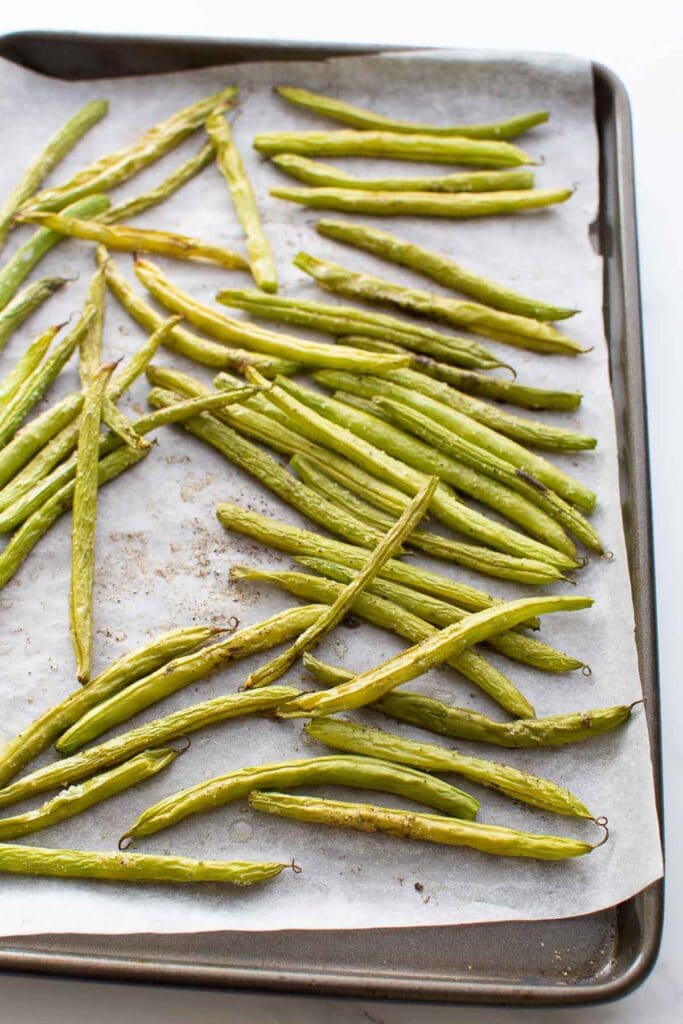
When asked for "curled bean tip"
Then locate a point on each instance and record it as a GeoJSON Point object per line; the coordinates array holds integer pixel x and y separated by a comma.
{"type": "Point", "coordinates": [124, 842]}
{"type": "Point", "coordinates": [583, 561]}
{"type": "Point", "coordinates": [296, 868]}
{"type": "Point", "coordinates": [633, 704]}
{"type": "Point", "coordinates": [233, 623]}
{"type": "Point", "coordinates": [586, 670]}
{"type": "Point", "coordinates": [609, 556]}
{"type": "Point", "coordinates": [188, 744]}
{"type": "Point", "coordinates": [602, 822]}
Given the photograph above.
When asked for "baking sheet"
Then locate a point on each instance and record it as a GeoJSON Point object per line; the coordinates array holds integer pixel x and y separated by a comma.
{"type": "Point", "coordinates": [163, 559]}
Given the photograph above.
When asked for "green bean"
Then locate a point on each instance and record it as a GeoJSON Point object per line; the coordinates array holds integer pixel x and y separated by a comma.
{"type": "Point", "coordinates": [176, 179]}
{"type": "Point", "coordinates": [514, 645]}
{"type": "Point", "coordinates": [28, 255]}
{"type": "Point", "coordinates": [369, 686]}
{"type": "Point", "coordinates": [293, 540]}
{"type": "Point", "coordinates": [522, 332]}
{"type": "Point", "coordinates": [84, 521]}
{"type": "Point", "coordinates": [369, 456]}
{"type": "Point", "coordinates": [114, 168]}
{"type": "Point", "coordinates": [345, 599]}
{"type": "Point", "coordinates": [314, 173]}
{"type": "Point", "coordinates": [36, 383]}
{"type": "Point", "coordinates": [357, 117]}
{"type": "Point", "coordinates": [31, 500]}
{"type": "Point", "coordinates": [526, 431]}
{"type": "Point", "coordinates": [324, 674]}
{"type": "Point", "coordinates": [423, 204]}
{"type": "Point", "coordinates": [181, 672]}
{"type": "Point", "coordinates": [140, 360]}
{"type": "Point", "coordinates": [200, 350]}
{"type": "Point", "coordinates": [233, 170]}
{"type": "Point", "coordinates": [55, 151]}
{"type": "Point", "coordinates": [339, 770]}
{"type": "Point", "coordinates": [123, 238]}
{"type": "Point", "coordinates": [45, 729]}
{"type": "Point", "coordinates": [130, 867]}
{"type": "Point", "coordinates": [516, 784]}
{"type": "Point", "coordinates": [389, 145]}
{"type": "Point", "coordinates": [390, 616]}
{"type": "Point", "coordinates": [79, 798]}
{"type": "Point", "coordinates": [23, 541]}
{"type": "Point", "coordinates": [229, 331]}
{"type": "Point", "coordinates": [42, 463]}
{"type": "Point", "coordinates": [25, 366]}
{"type": "Point", "coordinates": [472, 383]}
{"type": "Point", "coordinates": [35, 435]}
{"type": "Point", "coordinates": [24, 303]}
{"type": "Point", "coordinates": [518, 480]}
{"type": "Point", "coordinates": [440, 269]}
{"type": "Point", "coordinates": [347, 320]}
{"type": "Point", "coordinates": [464, 476]}
{"type": "Point", "coordinates": [411, 390]}
{"type": "Point", "coordinates": [465, 724]}
{"type": "Point", "coordinates": [151, 734]}
{"type": "Point", "coordinates": [431, 828]}
{"type": "Point", "coordinates": [90, 348]}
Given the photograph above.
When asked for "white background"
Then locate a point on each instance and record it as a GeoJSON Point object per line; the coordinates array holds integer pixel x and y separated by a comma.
{"type": "Point", "coordinates": [646, 50]}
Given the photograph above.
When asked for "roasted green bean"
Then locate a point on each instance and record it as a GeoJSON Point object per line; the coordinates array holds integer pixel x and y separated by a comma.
{"type": "Point", "coordinates": [410, 389]}
{"type": "Point", "coordinates": [56, 149]}
{"type": "Point", "coordinates": [440, 269]}
{"type": "Point", "coordinates": [349, 320]}
{"type": "Point", "coordinates": [79, 798]}
{"type": "Point", "coordinates": [28, 255]}
{"type": "Point", "coordinates": [445, 643]}
{"type": "Point", "coordinates": [113, 168]}
{"type": "Point", "coordinates": [45, 729]}
{"type": "Point", "coordinates": [432, 828]}
{"type": "Point", "coordinates": [33, 437]}
{"type": "Point", "coordinates": [233, 170]}
{"type": "Point", "coordinates": [423, 204]}
{"type": "Point", "coordinates": [183, 671]}
{"type": "Point", "coordinates": [522, 332]}
{"type": "Point", "coordinates": [390, 616]}
{"type": "Point", "coordinates": [357, 772]}
{"type": "Point", "coordinates": [465, 724]}
{"type": "Point", "coordinates": [368, 120]}
{"type": "Point", "coordinates": [130, 867]}
{"type": "Point", "coordinates": [151, 734]}
{"type": "Point", "coordinates": [90, 348]}
{"type": "Point", "coordinates": [230, 331]}
{"type": "Point", "coordinates": [516, 784]}
{"type": "Point", "coordinates": [176, 179]}
{"type": "Point", "coordinates": [314, 173]}
{"type": "Point", "coordinates": [389, 546]}
{"type": "Point", "coordinates": [22, 370]}
{"type": "Point", "coordinates": [390, 145]}
{"type": "Point", "coordinates": [84, 520]}
{"type": "Point", "coordinates": [24, 303]}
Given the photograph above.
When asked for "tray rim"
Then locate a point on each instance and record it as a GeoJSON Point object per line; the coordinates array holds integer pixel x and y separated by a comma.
{"type": "Point", "coordinates": [651, 900]}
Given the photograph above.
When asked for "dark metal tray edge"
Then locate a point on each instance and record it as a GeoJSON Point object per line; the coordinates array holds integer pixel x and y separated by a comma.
{"type": "Point", "coordinates": [73, 55]}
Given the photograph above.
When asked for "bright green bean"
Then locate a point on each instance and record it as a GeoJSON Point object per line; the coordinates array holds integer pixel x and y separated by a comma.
{"type": "Point", "coordinates": [56, 149]}
{"type": "Point", "coordinates": [368, 120]}
{"type": "Point", "coordinates": [232, 168]}
{"type": "Point", "coordinates": [522, 332]}
{"type": "Point", "coordinates": [151, 734]}
{"type": "Point", "coordinates": [176, 179]}
{"type": "Point", "coordinates": [516, 784]}
{"type": "Point", "coordinates": [314, 173]}
{"type": "Point", "coordinates": [33, 437]}
{"type": "Point", "coordinates": [389, 546]}
{"type": "Point", "coordinates": [423, 204]}
{"type": "Point", "coordinates": [183, 671]}
{"type": "Point", "coordinates": [431, 828]}
{"type": "Point", "coordinates": [114, 168]}
{"type": "Point", "coordinates": [448, 642]}
{"type": "Point", "coordinates": [339, 770]}
{"type": "Point", "coordinates": [390, 616]}
{"type": "Point", "coordinates": [90, 348]}
{"type": "Point", "coordinates": [24, 303]}
{"type": "Point", "coordinates": [45, 729]}
{"type": "Point", "coordinates": [440, 269]}
{"type": "Point", "coordinates": [28, 255]}
{"type": "Point", "coordinates": [25, 366]}
{"type": "Point", "coordinates": [390, 145]}
{"type": "Point", "coordinates": [79, 798]}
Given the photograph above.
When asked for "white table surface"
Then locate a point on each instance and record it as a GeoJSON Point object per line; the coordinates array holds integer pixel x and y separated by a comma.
{"type": "Point", "coordinates": [645, 48]}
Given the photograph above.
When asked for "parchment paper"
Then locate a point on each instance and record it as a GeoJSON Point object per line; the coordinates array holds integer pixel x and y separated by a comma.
{"type": "Point", "coordinates": [163, 559]}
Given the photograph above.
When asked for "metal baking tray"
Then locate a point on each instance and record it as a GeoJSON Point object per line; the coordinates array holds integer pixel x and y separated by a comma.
{"type": "Point", "coordinates": [587, 959]}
